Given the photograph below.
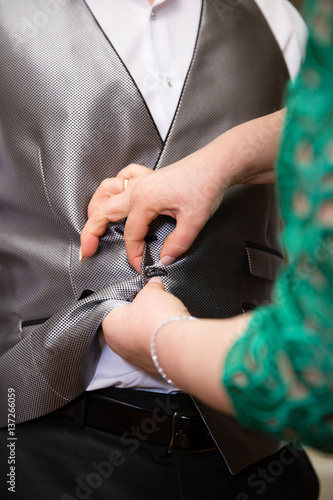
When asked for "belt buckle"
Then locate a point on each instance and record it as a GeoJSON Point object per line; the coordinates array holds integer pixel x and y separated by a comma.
{"type": "Point", "coordinates": [183, 441]}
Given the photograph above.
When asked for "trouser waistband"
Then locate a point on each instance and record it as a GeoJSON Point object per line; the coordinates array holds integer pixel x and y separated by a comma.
{"type": "Point", "coordinates": [168, 419]}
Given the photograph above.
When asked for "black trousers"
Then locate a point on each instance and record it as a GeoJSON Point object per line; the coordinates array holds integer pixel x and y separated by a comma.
{"type": "Point", "coordinates": [58, 459]}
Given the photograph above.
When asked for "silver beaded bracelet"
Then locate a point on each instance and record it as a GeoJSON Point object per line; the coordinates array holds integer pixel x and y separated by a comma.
{"type": "Point", "coordinates": [153, 344]}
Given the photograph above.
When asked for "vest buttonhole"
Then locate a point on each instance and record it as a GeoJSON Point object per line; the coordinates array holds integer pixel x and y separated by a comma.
{"type": "Point", "coordinates": [156, 271]}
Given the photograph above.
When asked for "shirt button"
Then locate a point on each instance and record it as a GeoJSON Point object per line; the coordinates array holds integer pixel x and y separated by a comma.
{"type": "Point", "coordinates": [169, 81]}
{"type": "Point", "coordinates": [153, 15]}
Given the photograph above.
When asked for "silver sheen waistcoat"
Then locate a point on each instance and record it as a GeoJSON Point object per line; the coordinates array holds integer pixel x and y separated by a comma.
{"type": "Point", "coordinates": [71, 116]}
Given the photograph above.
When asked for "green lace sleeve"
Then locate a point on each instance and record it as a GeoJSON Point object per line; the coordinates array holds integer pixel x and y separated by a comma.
{"type": "Point", "coordinates": [280, 374]}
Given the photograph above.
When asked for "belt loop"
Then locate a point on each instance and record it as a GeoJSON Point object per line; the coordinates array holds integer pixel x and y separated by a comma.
{"type": "Point", "coordinates": [80, 412]}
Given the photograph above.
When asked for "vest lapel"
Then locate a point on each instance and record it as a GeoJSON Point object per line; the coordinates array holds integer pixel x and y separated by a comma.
{"type": "Point", "coordinates": [216, 96]}
{"type": "Point", "coordinates": [109, 124]}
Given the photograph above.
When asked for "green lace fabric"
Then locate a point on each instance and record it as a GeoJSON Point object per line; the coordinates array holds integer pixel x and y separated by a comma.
{"type": "Point", "coordinates": [280, 374]}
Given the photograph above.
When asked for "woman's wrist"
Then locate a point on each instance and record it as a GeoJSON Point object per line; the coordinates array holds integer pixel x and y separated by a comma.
{"type": "Point", "coordinates": [153, 340]}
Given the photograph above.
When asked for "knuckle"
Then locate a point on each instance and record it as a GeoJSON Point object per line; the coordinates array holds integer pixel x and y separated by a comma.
{"type": "Point", "coordinates": [105, 183]}
{"type": "Point", "coordinates": [101, 208]}
{"type": "Point", "coordinates": [127, 236]}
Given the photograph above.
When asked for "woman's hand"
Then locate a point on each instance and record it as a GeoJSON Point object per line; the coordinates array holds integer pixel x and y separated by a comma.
{"type": "Point", "coordinates": [192, 353]}
{"type": "Point", "coordinates": [188, 191]}
{"type": "Point", "coordinates": [128, 329]}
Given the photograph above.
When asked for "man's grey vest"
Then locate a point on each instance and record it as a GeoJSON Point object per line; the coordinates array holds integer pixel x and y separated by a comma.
{"type": "Point", "coordinates": [71, 116]}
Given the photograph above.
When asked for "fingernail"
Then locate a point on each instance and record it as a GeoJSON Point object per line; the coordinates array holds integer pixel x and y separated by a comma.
{"type": "Point", "coordinates": [155, 279]}
{"type": "Point", "coordinates": [166, 260]}
{"type": "Point", "coordinates": [80, 255]}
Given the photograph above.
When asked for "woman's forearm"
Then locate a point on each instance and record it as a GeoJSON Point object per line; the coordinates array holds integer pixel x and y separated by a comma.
{"type": "Point", "coordinates": [192, 353]}
{"type": "Point", "coordinates": [249, 151]}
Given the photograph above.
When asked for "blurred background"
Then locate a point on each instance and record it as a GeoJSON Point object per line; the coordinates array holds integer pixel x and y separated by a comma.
{"type": "Point", "coordinates": [297, 3]}
{"type": "Point", "coordinates": [322, 464]}
{"type": "Point", "coordinates": [324, 469]}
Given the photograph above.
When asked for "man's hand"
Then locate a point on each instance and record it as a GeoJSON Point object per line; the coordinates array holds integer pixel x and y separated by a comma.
{"type": "Point", "coordinates": [151, 307]}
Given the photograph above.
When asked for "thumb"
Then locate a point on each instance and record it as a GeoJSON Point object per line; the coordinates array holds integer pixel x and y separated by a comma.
{"type": "Point", "coordinates": [89, 245]}
{"type": "Point", "coordinates": [180, 240]}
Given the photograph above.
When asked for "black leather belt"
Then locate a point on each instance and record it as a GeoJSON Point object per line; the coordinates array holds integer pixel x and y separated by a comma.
{"type": "Point", "coordinates": [181, 431]}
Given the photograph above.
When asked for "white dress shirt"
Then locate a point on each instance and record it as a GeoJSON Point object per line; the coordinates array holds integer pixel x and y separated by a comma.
{"type": "Point", "coordinates": [156, 43]}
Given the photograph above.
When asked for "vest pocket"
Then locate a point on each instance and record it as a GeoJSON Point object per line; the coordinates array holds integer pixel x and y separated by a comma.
{"type": "Point", "coordinates": [27, 327]}
{"type": "Point", "coordinates": [246, 307]}
{"type": "Point", "coordinates": [263, 261]}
